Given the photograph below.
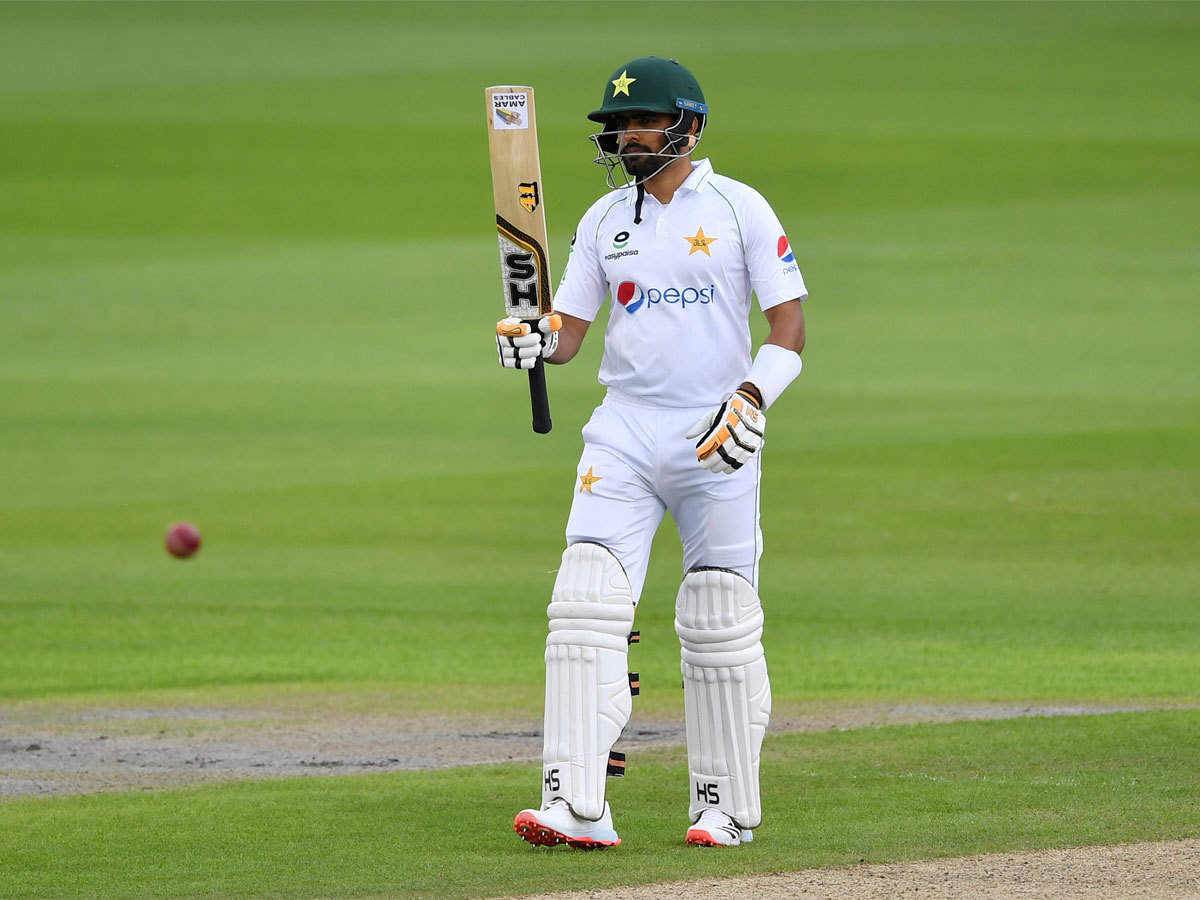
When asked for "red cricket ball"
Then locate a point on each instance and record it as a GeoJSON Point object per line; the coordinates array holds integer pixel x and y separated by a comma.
{"type": "Point", "coordinates": [183, 539]}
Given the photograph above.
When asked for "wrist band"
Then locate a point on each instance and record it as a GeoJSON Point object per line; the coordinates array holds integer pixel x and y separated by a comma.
{"type": "Point", "coordinates": [774, 369]}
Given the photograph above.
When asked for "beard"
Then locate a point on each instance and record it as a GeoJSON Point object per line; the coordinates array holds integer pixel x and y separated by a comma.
{"type": "Point", "coordinates": [642, 162]}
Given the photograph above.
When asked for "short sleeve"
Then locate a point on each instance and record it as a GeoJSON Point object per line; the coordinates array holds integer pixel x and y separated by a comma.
{"type": "Point", "coordinates": [583, 286]}
{"type": "Point", "coordinates": [774, 271]}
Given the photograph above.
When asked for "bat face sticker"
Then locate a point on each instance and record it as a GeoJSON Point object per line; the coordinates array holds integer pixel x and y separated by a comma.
{"type": "Point", "coordinates": [508, 116]}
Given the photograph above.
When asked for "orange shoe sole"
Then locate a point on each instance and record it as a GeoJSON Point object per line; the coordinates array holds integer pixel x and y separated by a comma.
{"type": "Point", "coordinates": [534, 832]}
{"type": "Point", "coordinates": [699, 838]}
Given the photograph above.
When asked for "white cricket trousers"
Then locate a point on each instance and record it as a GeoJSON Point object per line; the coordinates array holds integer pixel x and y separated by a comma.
{"type": "Point", "coordinates": [636, 465]}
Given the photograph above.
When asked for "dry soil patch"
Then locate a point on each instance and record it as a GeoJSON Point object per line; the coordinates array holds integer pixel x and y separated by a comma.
{"type": "Point", "coordinates": [47, 750]}
{"type": "Point", "coordinates": [1165, 870]}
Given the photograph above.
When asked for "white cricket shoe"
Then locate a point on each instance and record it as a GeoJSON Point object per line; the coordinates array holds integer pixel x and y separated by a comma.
{"type": "Point", "coordinates": [556, 824]}
{"type": "Point", "coordinates": [715, 829]}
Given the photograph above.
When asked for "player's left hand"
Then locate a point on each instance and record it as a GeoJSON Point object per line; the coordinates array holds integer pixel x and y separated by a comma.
{"type": "Point", "coordinates": [730, 434]}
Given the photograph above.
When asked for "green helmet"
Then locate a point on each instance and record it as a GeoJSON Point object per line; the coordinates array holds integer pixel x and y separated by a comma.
{"type": "Point", "coordinates": [656, 85]}
{"type": "Point", "coordinates": [653, 84]}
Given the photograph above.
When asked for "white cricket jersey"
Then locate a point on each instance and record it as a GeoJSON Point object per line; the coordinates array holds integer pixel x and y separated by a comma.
{"type": "Point", "coordinates": [678, 331]}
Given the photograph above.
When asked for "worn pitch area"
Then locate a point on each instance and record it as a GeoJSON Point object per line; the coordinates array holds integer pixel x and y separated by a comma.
{"type": "Point", "coordinates": [46, 750]}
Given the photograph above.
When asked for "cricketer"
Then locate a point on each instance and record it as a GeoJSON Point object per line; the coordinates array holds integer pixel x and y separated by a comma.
{"type": "Point", "coordinates": [680, 249]}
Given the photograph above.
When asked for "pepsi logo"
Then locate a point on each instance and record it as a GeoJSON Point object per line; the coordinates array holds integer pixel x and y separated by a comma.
{"type": "Point", "coordinates": [784, 250]}
{"type": "Point", "coordinates": [625, 292]}
{"type": "Point", "coordinates": [631, 297]}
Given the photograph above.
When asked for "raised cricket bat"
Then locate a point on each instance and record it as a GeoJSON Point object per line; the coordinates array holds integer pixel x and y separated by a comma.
{"type": "Point", "coordinates": [521, 221]}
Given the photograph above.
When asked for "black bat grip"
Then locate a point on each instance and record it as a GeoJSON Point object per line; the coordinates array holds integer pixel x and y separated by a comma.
{"type": "Point", "coordinates": [538, 398]}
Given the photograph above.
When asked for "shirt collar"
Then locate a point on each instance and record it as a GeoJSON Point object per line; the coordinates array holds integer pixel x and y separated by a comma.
{"type": "Point", "coordinates": [702, 171]}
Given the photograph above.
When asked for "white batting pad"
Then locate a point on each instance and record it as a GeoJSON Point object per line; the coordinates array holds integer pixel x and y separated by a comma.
{"type": "Point", "coordinates": [588, 699]}
{"type": "Point", "coordinates": [727, 695]}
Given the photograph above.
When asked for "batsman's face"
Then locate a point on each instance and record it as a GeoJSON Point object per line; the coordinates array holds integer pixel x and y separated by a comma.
{"type": "Point", "coordinates": [641, 139]}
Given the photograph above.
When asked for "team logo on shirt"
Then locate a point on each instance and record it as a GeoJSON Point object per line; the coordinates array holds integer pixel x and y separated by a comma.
{"type": "Point", "coordinates": [632, 297]}
{"type": "Point", "coordinates": [699, 242]}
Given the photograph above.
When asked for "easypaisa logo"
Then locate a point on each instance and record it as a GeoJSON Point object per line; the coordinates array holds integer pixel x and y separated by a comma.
{"type": "Point", "coordinates": [620, 243]}
{"type": "Point", "coordinates": [632, 297]}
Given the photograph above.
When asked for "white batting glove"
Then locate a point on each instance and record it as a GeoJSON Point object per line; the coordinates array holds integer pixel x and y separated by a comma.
{"type": "Point", "coordinates": [520, 346]}
{"type": "Point", "coordinates": [730, 434]}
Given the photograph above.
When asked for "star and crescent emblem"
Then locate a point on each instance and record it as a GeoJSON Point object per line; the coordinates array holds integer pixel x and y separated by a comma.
{"type": "Point", "coordinates": [699, 242]}
{"type": "Point", "coordinates": [586, 481]}
{"type": "Point", "coordinates": [621, 85]}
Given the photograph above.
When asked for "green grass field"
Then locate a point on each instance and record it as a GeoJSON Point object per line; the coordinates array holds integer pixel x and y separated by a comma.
{"type": "Point", "coordinates": [247, 279]}
{"type": "Point", "coordinates": [914, 792]}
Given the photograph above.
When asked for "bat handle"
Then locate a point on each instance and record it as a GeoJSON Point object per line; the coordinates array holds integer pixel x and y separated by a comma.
{"type": "Point", "coordinates": [538, 398]}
